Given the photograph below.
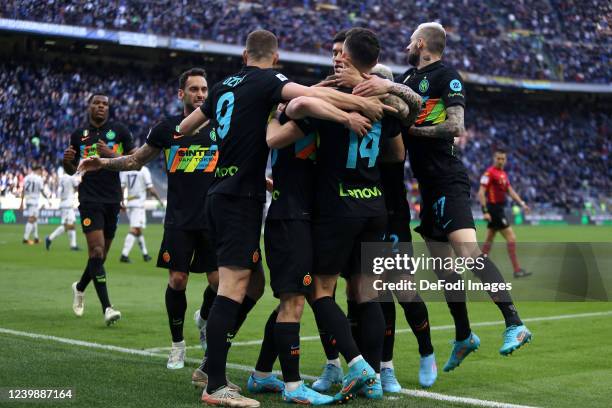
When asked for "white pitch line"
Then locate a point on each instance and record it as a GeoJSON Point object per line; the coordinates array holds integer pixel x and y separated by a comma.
{"type": "Point", "coordinates": [125, 350]}
{"type": "Point", "coordinates": [445, 327]}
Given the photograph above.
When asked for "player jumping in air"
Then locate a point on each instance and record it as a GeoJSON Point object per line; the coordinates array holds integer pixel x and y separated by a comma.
{"type": "Point", "coordinates": [99, 197]}
{"type": "Point", "coordinates": [33, 187]}
{"type": "Point", "coordinates": [241, 104]}
{"type": "Point", "coordinates": [186, 245]}
{"type": "Point", "coordinates": [138, 183]}
{"type": "Point", "coordinates": [66, 190]}
{"type": "Point", "coordinates": [494, 184]}
{"type": "Point", "coordinates": [446, 218]}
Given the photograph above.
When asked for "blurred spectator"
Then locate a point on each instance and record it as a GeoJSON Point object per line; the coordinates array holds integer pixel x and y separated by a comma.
{"type": "Point", "coordinates": [537, 39]}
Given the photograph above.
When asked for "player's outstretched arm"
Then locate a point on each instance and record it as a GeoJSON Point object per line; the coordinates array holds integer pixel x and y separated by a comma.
{"type": "Point", "coordinates": [193, 122]}
{"type": "Point", "coordinates": [373, 108]}
{"type": "Point", "coordinates": [303, 106]}
{"type": "Point", "coordinates": [134, 161]}
{"type": "Point", "coordinates": [375, 85]}
{"type": "Point", "coordinates": [451, 128]}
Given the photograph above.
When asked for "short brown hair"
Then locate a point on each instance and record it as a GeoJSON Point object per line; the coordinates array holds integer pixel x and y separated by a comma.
{"type": "Point", "coordinates": [363, 46]}
{"type": "Point", "coordinates": [261, 44]}
{"type": "Point", "coordinates": [189, 73]}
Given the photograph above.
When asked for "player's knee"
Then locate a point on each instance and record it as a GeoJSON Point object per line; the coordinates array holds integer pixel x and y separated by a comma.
{"type": "Point", "coordinates": [257, 284]}
{"type": "Point", "coordinates": [136, 231]}
{"type": "Point", "coordinates": [213, 280]}
{"type": "Point", "coordinates": [291, 308]}
{"type": "Point", "coordinates": [178, 280]}
{"type": "Point", "coordinates": [97, 251]}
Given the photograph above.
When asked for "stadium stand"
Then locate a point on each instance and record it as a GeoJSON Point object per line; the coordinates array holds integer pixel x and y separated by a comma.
{"type": "Point", "coordinates": [567, 40]}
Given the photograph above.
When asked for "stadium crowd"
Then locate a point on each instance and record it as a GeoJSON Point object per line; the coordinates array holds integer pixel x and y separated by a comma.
{"type": "Point", "coordinates": [542, 39]}
{"type": "Point", "coordinates": [556, 159]}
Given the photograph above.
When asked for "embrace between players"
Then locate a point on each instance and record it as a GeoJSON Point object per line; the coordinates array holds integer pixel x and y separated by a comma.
{"type": "Point", "coordinates": [351, 132]}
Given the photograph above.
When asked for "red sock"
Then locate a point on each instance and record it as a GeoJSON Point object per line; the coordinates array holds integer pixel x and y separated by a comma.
{"type": "Point", "coordinates": [486, 247]}
{"type": "Point", "coordinates": [512, 254]}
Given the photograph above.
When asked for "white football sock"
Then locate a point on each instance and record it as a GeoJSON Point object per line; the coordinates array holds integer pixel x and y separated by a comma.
{"type": "Point", "coordinates": [128, 244]}
{"type": "Point", "coordinates": [355, 360]}
{"type": "Point", "coordinates": [28, 230]}
{"type": "Point", "coordinates": [386, 364]}
{"type": "Point", "coordinates": [293, 385]}
{"type": "Point", "coordinates": [335, 362]}
{"type": "Point", "coordinates": [56, 232]}
{"type": "Point", "coordinates": [141, 243]}
{"type": "Point", "coordinates": [35, 229]}
{"type": "Point", "coordinates": [72, 236]}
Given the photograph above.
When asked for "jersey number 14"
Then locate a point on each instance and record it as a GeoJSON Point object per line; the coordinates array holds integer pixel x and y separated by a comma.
{"type": "Point", "coordinates": [368, 148]}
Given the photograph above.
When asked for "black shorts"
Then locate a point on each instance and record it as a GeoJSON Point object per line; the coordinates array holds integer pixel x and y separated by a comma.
{"type": "Point", "coordinates": [444, 210]}
{"type": "Point", "coordinates": [187, 251]}
{"type": "Point", "coordinates": [288, 246]}
{"type": "Point", "coordinates": [499, 221]}
{"type": "Point", "coordinates": [100, 216]}
{"type": "Point", "coordinates": [235, 228]}
{"type": "Point", "coordinates": [337, 242]}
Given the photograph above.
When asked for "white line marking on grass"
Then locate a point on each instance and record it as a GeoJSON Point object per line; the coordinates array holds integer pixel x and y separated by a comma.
{"type": "Point", "coordinates": [108, 347]}
{"type": "Point", "coordinates": [445, 327]}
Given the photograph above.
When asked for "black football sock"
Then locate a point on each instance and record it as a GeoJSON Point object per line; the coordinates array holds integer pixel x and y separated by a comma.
{"type": "Point", "coordinates": [220, 326]}
{"type": "Point", "coordinates": [490, 274]}
{"type": "Point", "coordinates": [334, 322]}
{"type": "Point", "coordinates": [287, 339]}
{"type": "Point", "coordinates": [207, 301]}
{"type": "Point", "coordinates": [455, 299]}
{"type": "Point", "coordinates": [352, 314]}
{"type": "Point", "coordinates": [85, 279]}
{"type": "Point", "coordinates": [327, 341]}
{"type": "Point", "coordinates": [268, 351]}
{"type": "Point", "coordinates": [388, 309]}
{"type": "Point", "coordinates": [418, 320]}
{"type": "Point", "coordinates": [98, 275]}
{"type": "Point", "coordinates": [246, 306]}
{"type": "Point", "coordinates": [176, 305]}
{"type": "Point", "coordinates": [372, 325]}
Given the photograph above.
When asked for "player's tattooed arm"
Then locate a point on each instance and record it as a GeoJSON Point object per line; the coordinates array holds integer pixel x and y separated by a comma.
{"type": "Point", "coordinates": [135, 161]}
{"type": "Point", "coordinates": [412, 99]}
{"type": "Point", "coordinates": [404, 113]}
{"type": "Point", "coordinates": [449, 129]}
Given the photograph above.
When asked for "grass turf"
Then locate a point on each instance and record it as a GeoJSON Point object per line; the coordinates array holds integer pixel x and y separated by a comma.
{"type": "Point", "coordinates": [567, 364]}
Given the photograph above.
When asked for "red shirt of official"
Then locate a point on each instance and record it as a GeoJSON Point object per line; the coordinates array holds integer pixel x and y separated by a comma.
{"type": "Point", "coordinates": [496, 184]}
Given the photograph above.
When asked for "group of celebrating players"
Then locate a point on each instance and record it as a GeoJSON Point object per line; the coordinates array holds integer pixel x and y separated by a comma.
{"type": "Point", "coordinates": [338, 152]}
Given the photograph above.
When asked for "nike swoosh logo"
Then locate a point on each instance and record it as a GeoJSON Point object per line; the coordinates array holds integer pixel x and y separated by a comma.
{"type": "Point", "coordinates": [446, 225]}
{"type": "Point", "coordinates": [177, 136]}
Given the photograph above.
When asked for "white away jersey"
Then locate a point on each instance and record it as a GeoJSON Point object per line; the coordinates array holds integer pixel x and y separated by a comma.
{"type": "Point", "coordinates": [67, 188]}
{"type": "Point", "coordinates": [137, 183]}
{"type": "Point", "coordinates": [32, 187]}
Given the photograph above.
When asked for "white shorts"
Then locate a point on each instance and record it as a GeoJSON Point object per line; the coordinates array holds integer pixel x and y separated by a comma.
{"type": "Point", "coordinates": [137, 217]}
{"type": "Point", "coordinates": [31, 210]}
{"type": "Point", "coordinates": [68, 216]}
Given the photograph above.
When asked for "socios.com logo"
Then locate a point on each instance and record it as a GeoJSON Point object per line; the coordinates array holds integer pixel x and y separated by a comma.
{"type": "Point", "coordinates": [455, 85]}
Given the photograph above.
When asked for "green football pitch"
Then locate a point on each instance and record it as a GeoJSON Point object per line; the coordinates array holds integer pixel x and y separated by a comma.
{"type": "Point", "coordinates": [43, 345]}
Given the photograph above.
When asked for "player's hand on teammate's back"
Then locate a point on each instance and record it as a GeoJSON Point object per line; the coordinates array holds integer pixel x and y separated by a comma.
{"type": "Point", "coordinates": [104, 150]}
{"type": "Point", "coordinates": [375, 109]}
{"type": "Point", "coordinates": [89, 164]}
{"type": "Point", "coordinates": [373, 85]}
{"type": "Point", "coordinates": [358, 124]}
